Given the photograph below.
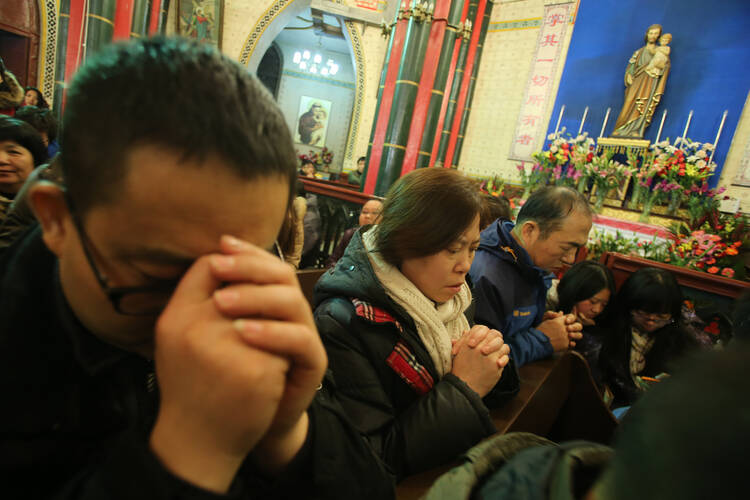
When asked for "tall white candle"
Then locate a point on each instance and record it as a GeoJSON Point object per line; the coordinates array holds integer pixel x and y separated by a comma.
{"type": "Point", "coordinates": [559, 118]}
{"type": "Point", "coordinates": [604, 125]}
{"type": "Point", "coordinates": [661, 126]}
{"type": "Point", "coordinates": [583, 120]}
{"type": "Point", "coordinates": [687, 126]}
{"type": "Point", "coordinates": [718, 134]}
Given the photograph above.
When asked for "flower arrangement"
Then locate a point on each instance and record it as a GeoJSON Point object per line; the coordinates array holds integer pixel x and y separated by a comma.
{"type": "Point", "coordinates": [606, 241]}
{"type": "Point", "coordinates": [672, 174]}
{"type": "Point", "coordinates": [493, 186]}
{"type": "Point", "coordinates": [606, 174]}
{"type": "Point", "coordinates": [322, 160]}
{"type": "Point", "coordinates": [706, 252]}
{"type": "Point", "coordinates": [562, 164]}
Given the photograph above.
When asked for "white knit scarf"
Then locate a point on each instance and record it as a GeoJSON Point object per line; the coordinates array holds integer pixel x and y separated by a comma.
{"type": "Point", "coordinates": [436, 325]}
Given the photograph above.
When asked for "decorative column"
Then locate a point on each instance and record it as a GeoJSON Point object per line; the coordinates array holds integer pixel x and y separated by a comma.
{"type": "Point", "coordinates": [405, 93]}
{"type": "Point", "coordinates": [426, 82]}
{"type": "Point", "coordinates": [446, 61]}
{"type": "Point", "coordinates": [62, 42]}
{"type": "Point", "coordinates": [442, 141]}
{"type": "Point", "coordinates": [385, 101]}
{"type": "Point", "coordinates": [416, 126]}
{"type": "Point", "coordinates": [139, 24]}
{"type": "Point", "coordinates": [158, 19]}
{"type": "Point", "coordinates": [388, 31]}
{"type": "Point", "coordinates": [472, 84]}
{"type": "Point", "coordinates": [73, 52]}
{"type": "Point", "coordinates": [467, 85]}
{"type": "Point", "coordinates": [123, 19]}
{"type": "Point", "coordinates": [100, 24]}
{"type": "Point", "coordinates": [163, 16]}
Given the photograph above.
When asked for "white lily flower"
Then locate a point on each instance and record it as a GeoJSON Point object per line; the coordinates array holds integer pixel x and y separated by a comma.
{"type": "Point", "coordinates": [553, 149]}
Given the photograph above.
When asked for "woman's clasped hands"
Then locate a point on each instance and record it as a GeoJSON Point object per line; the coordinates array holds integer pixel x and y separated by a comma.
{"type": "Point", "coordinates": [479, 357]}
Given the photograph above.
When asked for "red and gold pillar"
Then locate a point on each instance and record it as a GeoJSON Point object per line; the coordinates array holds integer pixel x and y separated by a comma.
{"type": "Point", "coordinates": [441, 142]}
{"type": "Point", "coordinates": [451, 158]}
{"type": "Point", "coordinates": [386, 99]}
{"type": "Point", "coordinates": [433, 53]}
{"type": "Point", "coordinates": [472, 84]}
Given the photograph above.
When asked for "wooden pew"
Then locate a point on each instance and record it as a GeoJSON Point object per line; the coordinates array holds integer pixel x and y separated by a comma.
{"type": "Point", "coordinates": [307, 279]}
{"type": "Point", "coordinates": [557, 399]}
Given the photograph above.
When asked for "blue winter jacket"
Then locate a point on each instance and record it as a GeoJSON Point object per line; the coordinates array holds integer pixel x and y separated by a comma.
{"type": "Point", "coordinates": [510, 292]}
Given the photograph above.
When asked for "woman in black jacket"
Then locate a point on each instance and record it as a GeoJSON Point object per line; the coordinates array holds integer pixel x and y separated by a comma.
{"type": "Point", "coordinates": [645, 334]}
{"type": "Point", "coordinates": [586, 290]}
{"type": "Point", "coordinates": [411, 372]}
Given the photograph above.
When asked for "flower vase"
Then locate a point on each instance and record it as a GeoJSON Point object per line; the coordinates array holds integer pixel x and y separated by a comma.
{"type": "Point", "coordinates": [582, 185]}
{"type": "Point", "coordinates": [526, 192]}
{"type": "Point", "coordinates": [601, 194]}
{"type": "Point", "coordinates": [675, 200]}
{"type": "Point", "coordinates": [648, 203]}
{"type": "Point", "coordinates": [635, 200]}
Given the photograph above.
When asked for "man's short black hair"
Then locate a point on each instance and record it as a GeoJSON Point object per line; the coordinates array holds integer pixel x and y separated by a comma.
{"type": "Point", "coordinates": [13, 129]}
{"type": "Point", "coordinates": [688, 437]}
{"type": "Point", "coordinates": [172, 93]}
{"type": "Point", "coordinates": [41, 119]}
{"type": "Point", "coordinates": [361, 158]}
{"type": "Point", "coordinates": [550, 205]}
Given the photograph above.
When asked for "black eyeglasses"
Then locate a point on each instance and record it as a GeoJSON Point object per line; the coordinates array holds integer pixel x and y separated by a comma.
{"type": "Point", "coordinates": [147, 300]}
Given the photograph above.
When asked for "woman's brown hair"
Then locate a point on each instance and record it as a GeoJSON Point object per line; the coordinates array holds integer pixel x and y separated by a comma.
{"type": "Point", "coordinates": [424, 212]}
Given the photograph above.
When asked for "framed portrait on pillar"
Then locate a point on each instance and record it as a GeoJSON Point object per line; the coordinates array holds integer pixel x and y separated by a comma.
{"type": "Point", "coordinates": [201, 20]}
{"type": "Point", "coordinates": [312, 121]}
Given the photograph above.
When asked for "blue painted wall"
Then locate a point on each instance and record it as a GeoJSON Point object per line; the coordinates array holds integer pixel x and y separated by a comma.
{"type": "Point", "coordinates": [710, 66]}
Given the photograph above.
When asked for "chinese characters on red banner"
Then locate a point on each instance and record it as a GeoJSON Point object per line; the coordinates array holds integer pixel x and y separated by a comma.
{"type": "Point", "coordinates": [531, 125]}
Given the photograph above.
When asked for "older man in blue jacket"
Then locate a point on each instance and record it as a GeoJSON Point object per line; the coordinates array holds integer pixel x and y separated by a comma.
{"type": "Point", "coordinates": [511, 272]}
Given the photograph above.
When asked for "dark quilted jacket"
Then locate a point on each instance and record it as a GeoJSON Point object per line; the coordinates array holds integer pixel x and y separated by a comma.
{"type": "Point", "coordinates": [414, 424]}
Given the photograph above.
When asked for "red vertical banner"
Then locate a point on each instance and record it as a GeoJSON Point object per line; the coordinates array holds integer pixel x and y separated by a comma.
{"type": "Point", "coordinates": [447, 91]}
{"type": "Point", "coordinates": [153, 23]}
{"type": "Point", "coordinates": [470, 61]}
{"type": "Point", "coordinates": [422, 101]}
{"type": "Point", "coordinates": [123, 19]}
{"type": "Point", "coordinates": [386, 99]}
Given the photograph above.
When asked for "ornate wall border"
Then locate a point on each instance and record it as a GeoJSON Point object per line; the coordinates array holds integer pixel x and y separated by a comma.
{"type": "Point", "coordinates": [359, 95]}
{"type": "Point", "coordinates": [265, 21]}
{"type": "Point", "coordinates": [48, 10]}
{"type": "Point", "coordinates": [260, 27]}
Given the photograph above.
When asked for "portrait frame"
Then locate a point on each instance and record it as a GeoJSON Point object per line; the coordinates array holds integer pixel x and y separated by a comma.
{"type": "Point", "coordinates": [311, 122]}
{"type": "Point", "coordinates": [201, 20]}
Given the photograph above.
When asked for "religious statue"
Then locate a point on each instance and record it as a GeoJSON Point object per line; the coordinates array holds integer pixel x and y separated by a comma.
{"type": "Point", "coordinates": [645, 79]}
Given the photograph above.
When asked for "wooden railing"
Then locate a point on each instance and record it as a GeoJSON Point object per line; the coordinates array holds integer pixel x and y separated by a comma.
{"type": "Point", "coordinates": [339, 205]}
{"type": "Point", "coordinates": [623, 266]}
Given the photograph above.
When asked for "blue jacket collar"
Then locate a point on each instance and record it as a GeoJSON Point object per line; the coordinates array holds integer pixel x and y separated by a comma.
{"type": "Point", "coordinates": [498, 240]}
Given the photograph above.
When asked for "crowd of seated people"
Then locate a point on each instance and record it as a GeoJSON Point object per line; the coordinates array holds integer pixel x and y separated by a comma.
{"type": "Point", "coordinates": [155, 342]}
{"type": "Point", "coordinates": [21, 151]}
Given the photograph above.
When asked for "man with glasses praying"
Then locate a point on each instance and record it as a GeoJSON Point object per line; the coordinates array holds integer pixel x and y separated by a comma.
{"type": "Point", "coordinates": [151, 346]}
